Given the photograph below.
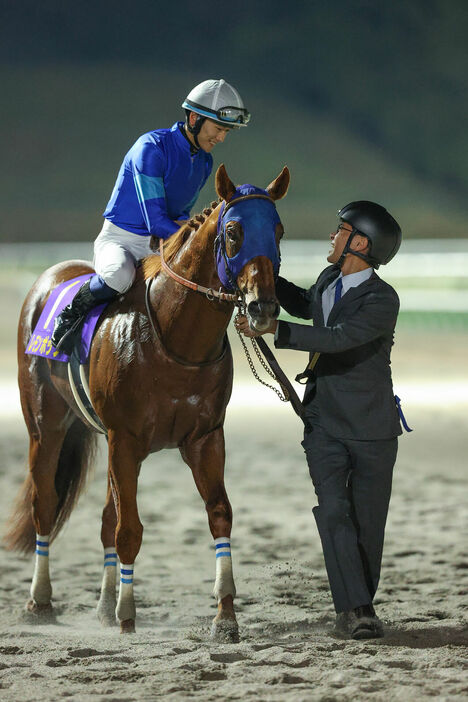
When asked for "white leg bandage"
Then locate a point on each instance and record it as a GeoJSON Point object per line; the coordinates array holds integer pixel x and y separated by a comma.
{"type": "Point", "coordinates": [107, 600]}
{"type": "Point", "coordinates": [126, 604]}
{"type": "Point", "coordinates": [224, 583]}
{"type": "Point", "coordinates": [41, 589]}
{"type": "Point", "coordinates": [110, 569]}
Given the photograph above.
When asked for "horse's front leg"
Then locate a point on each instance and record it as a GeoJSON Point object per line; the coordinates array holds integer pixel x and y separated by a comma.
{"type": "Point", "coordinates": [124, 467]}
{"type": "Point", "coordinates": [206, 460]}
{"type": "Point", "coordinates": [107, 601]}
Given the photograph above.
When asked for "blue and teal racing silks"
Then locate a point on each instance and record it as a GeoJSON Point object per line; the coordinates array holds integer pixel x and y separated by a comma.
{"type": "Point", "coordinates": [158, 182]}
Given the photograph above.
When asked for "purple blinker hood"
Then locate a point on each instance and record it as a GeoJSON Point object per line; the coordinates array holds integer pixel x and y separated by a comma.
{"type": "Point", "coordinates": [259, 219]}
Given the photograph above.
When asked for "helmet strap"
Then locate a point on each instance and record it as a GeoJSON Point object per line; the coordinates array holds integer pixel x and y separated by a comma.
{"type": "Point", "coordinates": [347, 250]}
{"type": "Point", "coordinates": [195, 130]}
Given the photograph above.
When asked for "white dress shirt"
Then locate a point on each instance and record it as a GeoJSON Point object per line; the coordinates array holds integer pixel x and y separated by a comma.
{"type": "Point", "coordinates": [349, 281]}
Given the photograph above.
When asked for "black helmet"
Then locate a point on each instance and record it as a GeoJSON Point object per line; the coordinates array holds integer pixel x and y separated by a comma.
{"type": "Point", "coordinates": [377, 225]}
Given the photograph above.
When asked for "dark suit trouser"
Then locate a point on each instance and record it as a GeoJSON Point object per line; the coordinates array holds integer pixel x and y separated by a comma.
{"type": "Point", "coordinates": [353, 482]}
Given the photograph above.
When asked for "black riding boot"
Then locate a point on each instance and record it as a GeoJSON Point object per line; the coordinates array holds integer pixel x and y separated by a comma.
{"type": "Point", "coordinates": [69, 322]}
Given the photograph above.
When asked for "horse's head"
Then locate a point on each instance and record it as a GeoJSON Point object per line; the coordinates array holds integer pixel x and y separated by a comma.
{"type": "Point", "coordinates": [247, 243]}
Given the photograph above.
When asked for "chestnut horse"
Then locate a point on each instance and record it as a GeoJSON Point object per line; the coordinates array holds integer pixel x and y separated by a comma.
{"type": "Point", "coordinates": [160, 376]}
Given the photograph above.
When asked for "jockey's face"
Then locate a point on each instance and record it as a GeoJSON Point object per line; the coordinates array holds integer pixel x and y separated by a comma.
{"type": "Point", "coordinates": [211, 134]}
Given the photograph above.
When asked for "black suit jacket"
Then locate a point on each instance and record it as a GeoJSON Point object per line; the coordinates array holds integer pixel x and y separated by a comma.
{"type": "Point", "coordinates": [350, 393]}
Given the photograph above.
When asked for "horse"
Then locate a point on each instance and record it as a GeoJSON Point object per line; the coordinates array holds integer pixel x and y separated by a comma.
{"type": "Point", "coordinates": [160, 376]}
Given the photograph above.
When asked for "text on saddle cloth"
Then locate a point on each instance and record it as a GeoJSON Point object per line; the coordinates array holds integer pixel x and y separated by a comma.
{"type": "Point", "coordinates": [40, 345]}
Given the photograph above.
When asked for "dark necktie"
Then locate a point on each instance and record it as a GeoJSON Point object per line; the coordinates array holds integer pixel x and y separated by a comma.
{"type": "Point", "coordinates": [338, 289]}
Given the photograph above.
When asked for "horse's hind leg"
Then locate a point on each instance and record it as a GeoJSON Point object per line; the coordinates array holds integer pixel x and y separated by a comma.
{"type": "Point", "coordinates": [60, 452]}
{"type": "Point", "coordinates": [45, 446]}
{"type": "Point", "coordinates": [108, 601]}
{"type": "Point", "coordinates": [206, 459]}
{"type": "Point", "coordinates": [43, 460]}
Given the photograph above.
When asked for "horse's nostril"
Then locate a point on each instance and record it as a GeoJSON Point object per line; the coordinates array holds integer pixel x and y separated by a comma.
{"type": "Point", "coordinates": [253, 308]}
{"type": "Point", "coordinates": [263, 308]}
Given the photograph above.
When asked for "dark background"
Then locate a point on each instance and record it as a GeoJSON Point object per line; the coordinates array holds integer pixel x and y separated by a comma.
{"type": "Point", "coordinates": [362, 99]}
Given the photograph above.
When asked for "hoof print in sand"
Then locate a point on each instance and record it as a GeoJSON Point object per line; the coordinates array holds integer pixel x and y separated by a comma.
{"type": "Point", "coordinates": [38, 614]}
{"type": "Point", "coordinates": [227, 657]}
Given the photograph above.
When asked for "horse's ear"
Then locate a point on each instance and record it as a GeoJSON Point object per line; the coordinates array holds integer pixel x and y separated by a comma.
{"type": "Point", "coordinates": [279, 187]}
{"type": "Point", "coordinates": [224, 185]}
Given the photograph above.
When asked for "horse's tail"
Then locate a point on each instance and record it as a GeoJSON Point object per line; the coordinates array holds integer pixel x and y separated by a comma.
{"type": "Point", "coordinates": [76, 457]}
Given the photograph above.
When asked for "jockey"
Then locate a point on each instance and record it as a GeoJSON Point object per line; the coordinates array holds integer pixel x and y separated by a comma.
{"type": "Point", "coordinates": [157, 185]}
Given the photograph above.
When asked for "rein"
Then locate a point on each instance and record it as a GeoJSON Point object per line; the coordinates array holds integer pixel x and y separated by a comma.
{"type": "Point", "coordinates": [208, 292]}
{"type": "Point", "coordinates": [275, 371]}
{"type": "Point", "coordinates": [157, 331]}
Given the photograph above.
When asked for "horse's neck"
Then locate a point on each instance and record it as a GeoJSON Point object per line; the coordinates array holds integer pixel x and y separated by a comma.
{"type": "Point", "coordinates": [193, 327]}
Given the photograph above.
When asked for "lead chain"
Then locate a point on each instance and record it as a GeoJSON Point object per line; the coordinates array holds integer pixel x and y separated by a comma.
{"type": "Point", "coordinates": [283, 397]}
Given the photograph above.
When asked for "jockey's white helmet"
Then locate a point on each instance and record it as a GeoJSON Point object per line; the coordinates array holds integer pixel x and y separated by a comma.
{"type": "Point", "coordinates": [218, 101]}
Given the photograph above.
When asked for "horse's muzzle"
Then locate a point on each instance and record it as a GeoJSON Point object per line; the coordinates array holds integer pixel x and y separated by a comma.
{"type": "Point", "coordinates": [262, 312]}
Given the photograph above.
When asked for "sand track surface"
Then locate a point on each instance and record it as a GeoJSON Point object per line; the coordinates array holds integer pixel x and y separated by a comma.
{"type": "Point", "coordinates": [287, 649]}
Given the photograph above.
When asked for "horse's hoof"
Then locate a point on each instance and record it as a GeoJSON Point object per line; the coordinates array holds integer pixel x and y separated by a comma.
{"type": "Point", "coordinates": [225, 631]}
{"type": "Point", "coordinates": [34, 607]}
{"type": "Point", "coordinates": [41, 613]}
{"type": "Point", "coordinates": [127, 626]}
{"type": "Point", "coordinates": [106, 615]}
{"type": "Point", "coordinates": [107, 620]}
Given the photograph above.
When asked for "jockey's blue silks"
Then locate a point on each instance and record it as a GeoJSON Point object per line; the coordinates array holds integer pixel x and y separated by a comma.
{"type": "Point", "coordinates": [259, 219]}
{"type": "Point", "coordinates": [159, 181]}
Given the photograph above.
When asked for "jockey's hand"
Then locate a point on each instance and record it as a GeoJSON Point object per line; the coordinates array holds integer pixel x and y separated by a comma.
{"type": "Point", "coordinates": [241, 323]}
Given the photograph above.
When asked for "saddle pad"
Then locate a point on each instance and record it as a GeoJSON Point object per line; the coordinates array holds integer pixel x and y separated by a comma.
{"type": "Point", "coordinates": [61, 296]}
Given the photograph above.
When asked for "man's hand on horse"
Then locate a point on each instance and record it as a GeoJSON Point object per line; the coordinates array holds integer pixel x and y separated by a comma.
{"type": "Point", "coordinates": [242, 325]}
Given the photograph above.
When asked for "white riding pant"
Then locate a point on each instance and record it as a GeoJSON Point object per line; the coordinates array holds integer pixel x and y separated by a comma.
{"type": "Point", "coordinates": [116, 253]}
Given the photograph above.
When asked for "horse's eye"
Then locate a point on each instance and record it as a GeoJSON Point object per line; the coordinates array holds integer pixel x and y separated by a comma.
{"type": "Point", "coordinates": [234, 238]}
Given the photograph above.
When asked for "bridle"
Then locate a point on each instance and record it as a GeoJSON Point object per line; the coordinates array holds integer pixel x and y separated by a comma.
{"type": "Point", "coordinates": [220, 241]}
{"type": "Point", "coordinates": [237, 297]}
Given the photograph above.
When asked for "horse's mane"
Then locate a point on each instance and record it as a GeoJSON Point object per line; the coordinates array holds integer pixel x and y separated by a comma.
{"type": "Point", "coordinates": [152, 264]}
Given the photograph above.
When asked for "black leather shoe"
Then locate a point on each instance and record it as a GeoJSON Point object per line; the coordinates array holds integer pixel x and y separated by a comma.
{"type": "Point", "coordinates": [68, 324]}
{"type": "Point", "coordinates": [359, 623]}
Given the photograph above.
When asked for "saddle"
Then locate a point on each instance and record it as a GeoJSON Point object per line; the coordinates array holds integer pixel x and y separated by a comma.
{"type": "Point", "coordinates": [40, 344]}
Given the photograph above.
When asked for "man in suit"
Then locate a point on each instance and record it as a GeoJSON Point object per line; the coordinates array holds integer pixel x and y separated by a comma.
{"type": "Point", "coordinates": [353, 423]}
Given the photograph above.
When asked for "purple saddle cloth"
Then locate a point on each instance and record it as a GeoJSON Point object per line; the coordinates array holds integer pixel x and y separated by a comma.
{"type": "Point", "coordinates": [61, 296]}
